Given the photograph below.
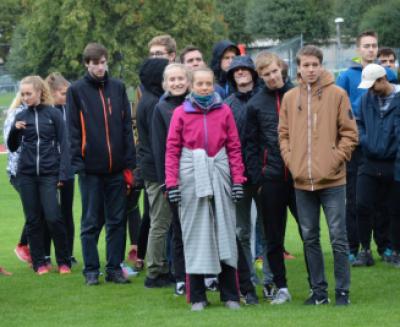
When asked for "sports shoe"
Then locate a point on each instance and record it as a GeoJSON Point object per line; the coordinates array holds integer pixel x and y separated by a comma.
{"type": "Point", "coordinates": [157, 282]}
{"type": "Point", "coordinates": [232, 305]}
{"type": "Point", "coordinates": [395, 260]}
{"type": "Point", "coordinates": [211, 284]}
{"type": "Point", "coordinates": [342, 298]}
{"type": "Point", "coordinates": [314, 299]}
{"type": "Point", "coordinates": [139, 264]}
{"type": "Point", "coordinates": [251, 298]}
{"type": "Point", "coordinates": [352, 258]}
{"type": "Point", "coordinates": [64, 269]}
{"type": "Point", "coordinates": [269, 291]}
{"type": "Point", "coordinates": [42, 270]}
{"type": "Point", "coordinates": [23, 253]}
{"type": "Point", "coordinates": [364, 259]}
{"type": "Point", "coordinates": [288, 256]}
{"type": "Point", "coordinates": [92, 279]}
{"type": "Point", "coordinates": [282, 296]}
{"type": "Point", "coordinates": [199, 306]}
{"type": "Point", "coordinates": [47, 261]}
{"type": "Point", "coordinates": [180, 288]}
{"type": "Point", "coordinates": [117, 277]}
{"type": "Point", "coordinates": [128, 271]}
{"type": "Point", "coordinates": [387, 255]}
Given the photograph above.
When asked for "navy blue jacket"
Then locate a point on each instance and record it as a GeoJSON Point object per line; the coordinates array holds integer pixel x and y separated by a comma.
{"type": "Point", "coordinates": [100, 125]}
{"type": "Point", "coordinates": [44, 144]}
{"type": "Point", "coordinates": [378, 130]}
{"type": "Point", "coordinates": [222, 82]}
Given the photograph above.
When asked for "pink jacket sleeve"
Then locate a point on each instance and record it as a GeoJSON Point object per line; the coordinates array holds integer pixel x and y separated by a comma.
{"type": "Point", "coordinates": [234, 151]}
{"type": "Point", "coordinates": [174, 149]}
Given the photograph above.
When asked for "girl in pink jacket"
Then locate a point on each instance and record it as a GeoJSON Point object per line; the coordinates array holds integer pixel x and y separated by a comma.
{"type": "Point", "coordinates": [204, 174]}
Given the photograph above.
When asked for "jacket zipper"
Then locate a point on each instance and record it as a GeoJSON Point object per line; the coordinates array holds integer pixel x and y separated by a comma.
{"type": "Point", "coordinates": [278, 110]}
{"type": "Point", "coordinates": [309, 135]}
{"type": "Point", "coordinates": [38, 141]}
{"type": "Point", "coordinates": [107, 129]}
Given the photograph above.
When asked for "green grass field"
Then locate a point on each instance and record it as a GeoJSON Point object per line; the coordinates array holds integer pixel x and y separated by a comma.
{"type": "Point", "coordinates": [54, 300]}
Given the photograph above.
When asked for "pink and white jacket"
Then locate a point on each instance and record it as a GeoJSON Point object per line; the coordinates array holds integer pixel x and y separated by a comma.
{"type": "Point", "coordinates": [211, 130]}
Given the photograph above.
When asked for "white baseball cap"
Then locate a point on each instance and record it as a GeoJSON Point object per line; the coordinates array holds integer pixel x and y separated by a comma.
{"type": "Point", "coordinates": [370, 74]}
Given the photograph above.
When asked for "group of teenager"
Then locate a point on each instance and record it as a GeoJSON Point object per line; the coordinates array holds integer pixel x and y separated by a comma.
{"type": "Point", "coordinates": [209, 142]}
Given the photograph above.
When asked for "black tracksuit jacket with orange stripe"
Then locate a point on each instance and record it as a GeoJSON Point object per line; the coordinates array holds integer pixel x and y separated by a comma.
{"type": "Point", "coordinates": [100, 126]}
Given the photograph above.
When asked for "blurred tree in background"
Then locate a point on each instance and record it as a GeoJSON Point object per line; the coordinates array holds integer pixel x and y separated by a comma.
{"type": "Point", "coordinates": [51, 35]}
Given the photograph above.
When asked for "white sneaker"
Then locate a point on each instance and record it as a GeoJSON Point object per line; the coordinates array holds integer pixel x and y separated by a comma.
{"type": "Point", "coordinates": [282, 296]}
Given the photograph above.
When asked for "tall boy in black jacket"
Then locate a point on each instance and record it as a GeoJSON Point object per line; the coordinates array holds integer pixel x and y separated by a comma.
{"type": "Point", "coordinates": [103, 154]}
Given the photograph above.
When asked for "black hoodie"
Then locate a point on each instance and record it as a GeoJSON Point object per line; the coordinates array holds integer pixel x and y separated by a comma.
{"type": "Point", "coordinates": [151, 75]}
{"type": "Point", "coordinates": [161, 120]}
{"type": "Point", "coordinates": [263, 156]}
{"type": "Point", "coordinates": [220, 75]}
{"type": "Point", "coordinates": [100, 125]}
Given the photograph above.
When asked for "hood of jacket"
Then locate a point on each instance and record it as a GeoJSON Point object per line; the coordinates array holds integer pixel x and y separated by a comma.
{"type": "Point", "coordinates": [218, 51]}
{"type": "Point", "coordinates": [151, 75]}
{"type": "Point", "coordinates": [241, 62]}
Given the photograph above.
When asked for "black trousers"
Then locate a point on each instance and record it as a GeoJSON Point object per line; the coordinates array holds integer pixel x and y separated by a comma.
{"type": "Point", "coordinates": [133, 216]}
{"type": "Point", "coordinates": [275, 198]}
{"type": "Point", "coordinates": [244, 273]}
{"type": "Point", "coordinates": [382, 190]}
{"type": "Point", "coordinates": [144, 229]}
{"type": "Point", "coordinates": [102, 194]}
{"type": "Point", "coordinates": [66, 202]}
{"type": "Point", "coordinates": [227, 282]}
{"type": "Point", "coordinates": [380, 220]}
{"type": "Point", "coordinates": [178, 256]}
{"type": "Point", "coordinates": [40, 193]}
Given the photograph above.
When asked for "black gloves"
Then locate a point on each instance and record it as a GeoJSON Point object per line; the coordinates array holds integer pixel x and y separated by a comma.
{"type": "Point", "coordinates": [237, 192]}
{"type": "Point", "coordinates": [174, 194]}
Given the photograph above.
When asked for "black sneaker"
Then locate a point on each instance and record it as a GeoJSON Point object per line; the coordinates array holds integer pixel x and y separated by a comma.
{"type": "Point", "coordinates": [157, 282]}
{"type": "Point", "coordinates": [74, 261]}
{"type": "Point", "coordinates": [211, 284]}
{"type": "Point", "coordinates": [269, 291]}
{"type": "Point", "coordinates": [314, 299]}
{"type": "Point", "coordinates": [342, 298]}
{"type": "Point", "coordinates": [117, 277]}
{"type": "Point", "coordinates": [364, 259]}
{"type": "Point", "coordinates": [92, 279]}
{"type": "Point", "coordinates": [251, 298]}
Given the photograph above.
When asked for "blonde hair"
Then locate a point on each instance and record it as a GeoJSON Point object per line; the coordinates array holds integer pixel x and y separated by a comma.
{"type": "Point", "coordinates": [201, 69]}
{"type": "Point", "coordinates": [39, 85]}
{"type": "Point", "coordinates": [16, 102]}
{"type": "Point", "coordinates": [56, 81]}
{"type": "Point", "coordinates": [171, 67]}
{"type": "Point", "coordinates": [264, 59]}
{"type": "Point", "coordinates": [166, 41]}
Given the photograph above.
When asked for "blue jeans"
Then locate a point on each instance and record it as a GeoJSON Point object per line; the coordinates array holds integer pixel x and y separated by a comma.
{"type": "Point", "coordinates": [332, 201]}
{"type": "Point", "coordinates": [103, 202]}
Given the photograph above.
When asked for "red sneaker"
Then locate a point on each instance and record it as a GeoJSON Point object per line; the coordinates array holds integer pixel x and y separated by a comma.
{"type": "Point", "coordinates": [288, 256]}
{"type": "Point", "coordinates": [42, 270]}
{"type": "Point", "coordinates": [64, 269]}
{"type": "Point", "coordinates": [23, 253]}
